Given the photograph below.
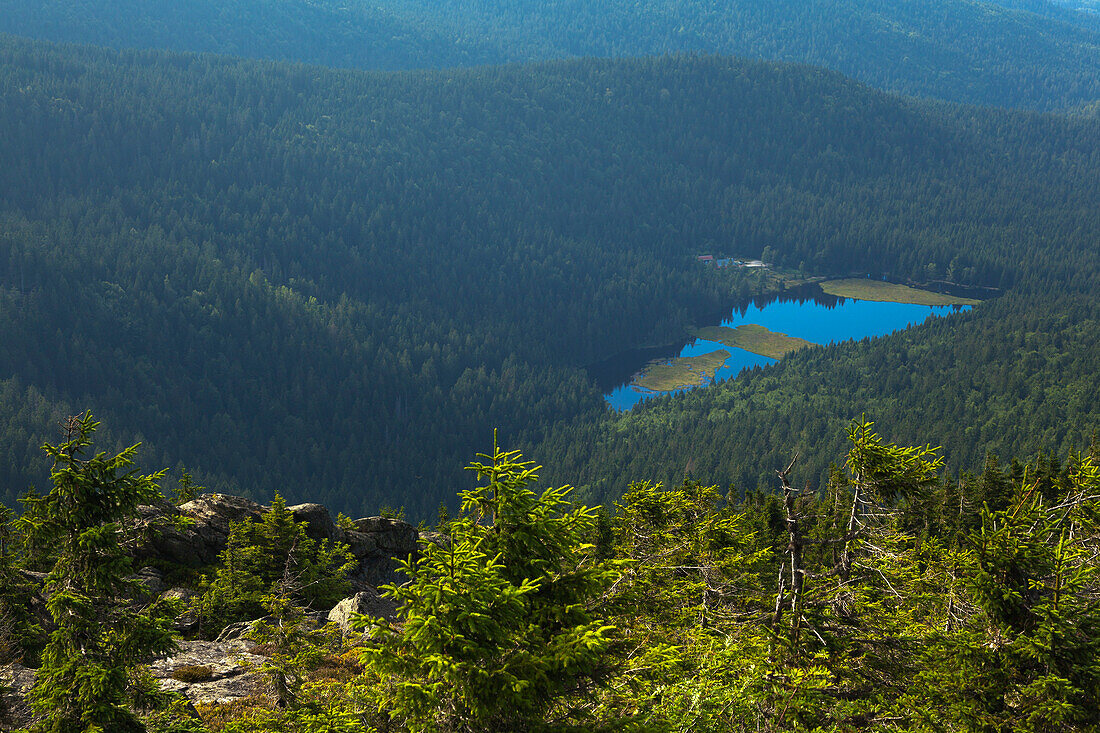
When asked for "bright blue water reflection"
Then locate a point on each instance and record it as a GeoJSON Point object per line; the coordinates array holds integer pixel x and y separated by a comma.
{"type": "Point", "coordinates": [821, 320]}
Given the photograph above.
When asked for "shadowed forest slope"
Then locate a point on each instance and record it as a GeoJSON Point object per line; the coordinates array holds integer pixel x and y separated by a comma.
{"type": "Point", "coordinates": [335, 284]}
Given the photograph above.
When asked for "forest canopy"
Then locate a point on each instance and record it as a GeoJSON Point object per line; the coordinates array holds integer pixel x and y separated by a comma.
{"type": "Point", "coordinates": [331, 284]}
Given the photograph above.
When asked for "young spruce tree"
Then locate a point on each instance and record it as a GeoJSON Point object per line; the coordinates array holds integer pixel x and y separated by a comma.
{"type": "Point", "coordinates": [500, 630]}
{"type": "Point", "coordinates": [100, 637]}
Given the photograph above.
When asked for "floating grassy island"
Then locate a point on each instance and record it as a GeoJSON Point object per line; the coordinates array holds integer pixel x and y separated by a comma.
{"type": "Point", "coordinates": [865, 289]}
{"type": "Point", "coordinates": [683, 371]}
{"type": "Point", "coordinates": [754, 338]}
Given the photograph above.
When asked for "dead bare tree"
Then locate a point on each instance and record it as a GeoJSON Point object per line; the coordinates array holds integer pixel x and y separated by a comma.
{"type": "Point", "coordinates": [792, 573]}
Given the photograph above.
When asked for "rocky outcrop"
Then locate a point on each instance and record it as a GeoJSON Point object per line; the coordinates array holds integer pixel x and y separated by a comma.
{"type": "Point", "coordinates": [319, 524]}
{"type": "Point", "coordinates": [150, 582]}
{"type": "Point", "coordinates": [195, 533]}
{"type": "Point", "coordinates": [311, 621]}
{"type": "Point", "coordinates": [201, 671]}
{"type": "Point", "coordinates": [377, 542]}
{"type": "Point", "coordinates": [430, 536]}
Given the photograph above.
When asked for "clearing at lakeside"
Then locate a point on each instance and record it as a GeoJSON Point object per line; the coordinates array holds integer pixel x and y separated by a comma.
{"type": "Point", "coordinates": [865, 289]}
{"type": "Point", "coordinates": [754, 338]}
{"type": "Point", "coordinates": [683, 371]}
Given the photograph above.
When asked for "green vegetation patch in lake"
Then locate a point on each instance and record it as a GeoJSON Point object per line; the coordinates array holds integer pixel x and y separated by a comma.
{"type": "Point", "coordinates": [681, 372]}
{"type": "Point", "coordinates": [878, 290]}
{"type": "Point", "coordinates": [754, 338]}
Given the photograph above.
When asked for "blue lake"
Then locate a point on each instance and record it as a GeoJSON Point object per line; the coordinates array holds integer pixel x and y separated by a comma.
{"type": "Point", "coordinates": [812, 315]}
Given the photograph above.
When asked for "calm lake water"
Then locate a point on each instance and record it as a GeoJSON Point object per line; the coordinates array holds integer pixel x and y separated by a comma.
{"type": "Point", "coordinates": [809, 314]}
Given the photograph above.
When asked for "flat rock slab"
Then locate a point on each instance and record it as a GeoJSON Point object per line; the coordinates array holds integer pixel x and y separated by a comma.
{"type": "Point", "coordinates": [231, 666]}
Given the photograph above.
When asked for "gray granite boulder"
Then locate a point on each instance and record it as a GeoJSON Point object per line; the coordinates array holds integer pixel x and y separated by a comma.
{"type": "Point", "coordinates": [319, 524]}
{"type": "Point", "coordinates": [367, 603]}
{"type": "Point", "coordinates": [195, 533]}
{"type": "Point", "coordinates": [15, 683]}
{"type": "Point", "coordinates": [376, 542]}
{"type": "Point", "coordinates": [438, 539]}
{"type": "Point", "coordinates": [151, 581]}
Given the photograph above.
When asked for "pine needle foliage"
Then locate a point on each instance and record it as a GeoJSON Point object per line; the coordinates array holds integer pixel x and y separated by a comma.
{"type": "Point", "coordinates": [1026, 657]}
{"type": "Point", "coordinates": [101, 638]}
{"type": "Point", "coordinates": [500, 625]}
{"type": "Point", "coordinates": [21, 636]}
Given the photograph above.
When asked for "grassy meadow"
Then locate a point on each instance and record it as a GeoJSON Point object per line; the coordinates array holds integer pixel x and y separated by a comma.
{"type": "Point", "coordinates": [877, 290]}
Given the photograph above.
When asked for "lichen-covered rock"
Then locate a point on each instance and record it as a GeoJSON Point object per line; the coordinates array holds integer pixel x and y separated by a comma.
{"type": "Point", "coordinates": [195, 534]}
{"type": "Point", "coordinates": [436, 538]}
{"type": "Point", "coordinates": [392, 534]}
{"type": "Point", "coordinates": [151, 580]}
{"type": "Point", "coordinates": [15, 683]}
{"type": "Point", "coordinates": [183, 595]}
{"type": "Point", "coordinates": [201, 535]}
{"type": "Point", "coordinates": [234, 632]}
{"type": "Point", "coordinates": [187, 622]}
{"type": "Point", "coordinates": [232, 676]}
{"type": "Point", "coordinates": [361, 544]}
{"type": "Point", "coordinates": [227, 674]}
{"type": "Point", "coordinates": [367, 603]}
{"type": "Point", "coordinates": [311, 620]}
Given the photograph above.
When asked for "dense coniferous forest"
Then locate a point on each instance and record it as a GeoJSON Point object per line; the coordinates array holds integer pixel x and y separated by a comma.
{"type": "Point", "coordinates": [335, 284]}
{"type": "Point", "coordinates": [1089, 7]}
{"type": "Point", "coordinates": [1013, 53]}
{"type": "Point", "coordinates": [1038, 57]}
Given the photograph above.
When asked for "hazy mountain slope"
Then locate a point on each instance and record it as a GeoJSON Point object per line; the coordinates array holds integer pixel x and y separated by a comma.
{"type": "Point", "coordinates": [1090, 7]}
{"type": "Point", "coordinates": [1066, 11]}
{"type": "Point", "coordinates": [323, 32]}
{"type": "Point", "coordinates": [949, 49]}
{"type": "Point", "coordinates": [335, 284]}
{"type": "Point", "coordinates": [962, 51]}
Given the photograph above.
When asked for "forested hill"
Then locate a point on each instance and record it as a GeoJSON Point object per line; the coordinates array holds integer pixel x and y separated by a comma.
{"type": "Point", "coordinates": [1015, 53]}
{"type": "Point", "coordinates": [962, 51]}
{"type": "Point", "coordinates": [335, 284]}
{"type": "Point", "coordinates": [339, 34]}
{"type": "Point", "coordinates": [1085, 7]}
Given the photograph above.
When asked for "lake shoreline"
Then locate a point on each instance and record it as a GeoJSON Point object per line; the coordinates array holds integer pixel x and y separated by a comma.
{"type": "Point", "coordinates": [771, 325]}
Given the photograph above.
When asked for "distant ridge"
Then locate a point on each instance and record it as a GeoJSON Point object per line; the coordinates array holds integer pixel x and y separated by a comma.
{"type": "Point", "coordinates": [1016, 53]}
{"type": "Point", "coordinates": [1074, 12]}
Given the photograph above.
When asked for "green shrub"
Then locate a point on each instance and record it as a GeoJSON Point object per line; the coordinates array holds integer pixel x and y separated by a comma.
{"type": "Point", "coordinates": [193, 673]}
